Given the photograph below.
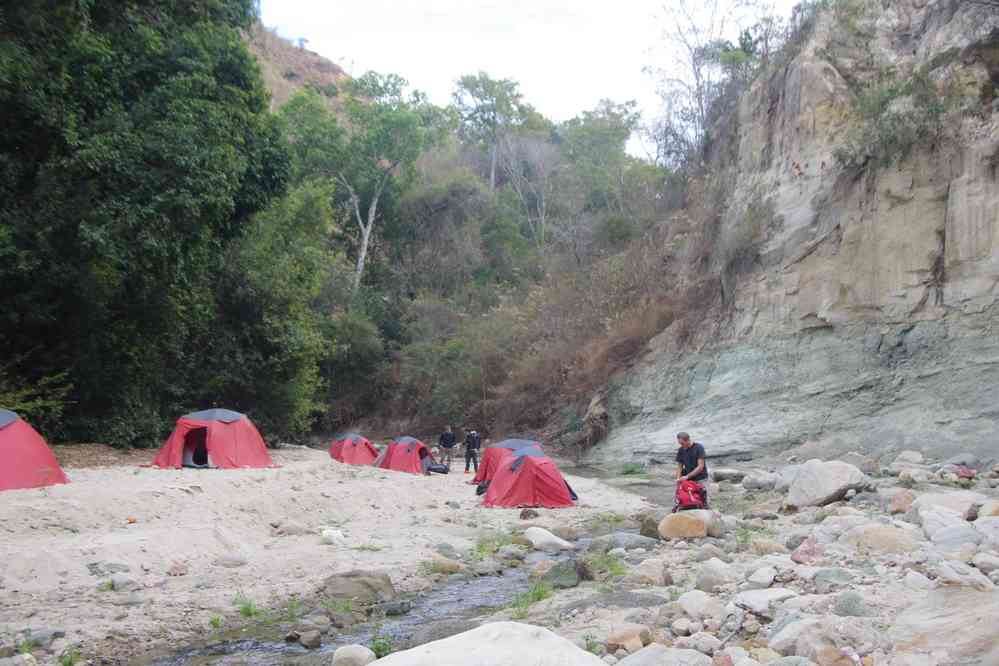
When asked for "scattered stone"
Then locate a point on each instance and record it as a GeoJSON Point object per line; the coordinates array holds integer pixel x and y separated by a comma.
{"type": "Point", "coordinates": [785, 477]}
{"type": "Point", "coordinates": [714, 574]}
{"type": "Point", "coordinates": [700, 605]}
{"type": "Point", "coordinates": [511, 552]}
{"type": "Point", "coordinates": [882, 539]}
{"type": "Point", "coordinates": [989, 528]}
{"type": "Point", "coordinates": [727, 474]}
{"type": "Point", "coordinates": [850, 604]}
{"type": "Point", "coordinates": [562, 576]}
{"type": "Point", "coordinates": [395, 608]}
{"type": "Point", "coordinates": [289, 528]}
{"type": "Point", "coordinates": [626, 540]}
{"type": "Point", "coordinates": [825, 580]}
{"type": "Point", "coordinates": [759, 480]}
{"type": "Point", "coordinates": [364, 588]}
{"type": "Point", "coordinates": [542, 539]}
{"type": "Point", "coordinates": [762, 578]}
{"type": "Point", "coordinates": [121, 583]}
{"type": "Point", "coordinates": [690, 525]}
{"type": "Point", "coordinates": [910, 457]}
{"type": "Point", "coordinates": [901, 502]}
{"type": "Point", "coordinates": [707, 551]}
{"type": "Point", "coordinates": [332, 537]}
{"type": "Point", "coordinates": [956, 536]}
{"type": "Point", "coordinates": [682, 626]}
{"type": "Point", "coordinates": [353, 655]}
{"type": "Point", "coordinates": [660, 655]}
{"type": "Point", "coordinates": [917, 581]}
{"type": "Point", "coordinates": [528, 514]}
{"type": "Point", "coordinates": [959, 574]}
{"type": "Point", "coordinates": [764, 546]}
{"type": "Point", "coordinates": [230, 561]}
{"type": "Point", "coordinates": [989, 509]}
{"type": "Point", "coordinates": [630, 637]}
{"type": "Point", "coordinates": [819, 483]}
{"type": "Point", "coordinates": [761, 601]}
{"type": "Point", "coordinates": [177, 568]}
{"type": "Point", "coordinates": [986, 562]}
{"type": "Point", "coordinates": [865, 464]}
{"type": "Point", "coordinates": [653, 571]}
{"type": "Point", "coordinates": [701, 641]}
{"type": "Point", "coordinates": [808, 552]}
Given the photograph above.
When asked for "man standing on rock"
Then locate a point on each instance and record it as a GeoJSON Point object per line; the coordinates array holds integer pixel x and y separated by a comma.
{"type": "Point", "coordinates": [446, 444]}
{"type": "Point", "coordinates": [690, 463]}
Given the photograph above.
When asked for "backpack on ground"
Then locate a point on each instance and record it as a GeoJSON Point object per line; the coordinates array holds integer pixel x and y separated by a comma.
{"type": "Point", "coordinates": [689, 495]}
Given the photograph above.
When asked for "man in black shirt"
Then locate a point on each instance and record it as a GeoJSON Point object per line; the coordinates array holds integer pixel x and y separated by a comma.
{"type": "Point", "coordinates": [446, 444]}
{"type": "Point", "coordinates": [472, 443]}
{"type": "Point", "coordinates": [690, 462]}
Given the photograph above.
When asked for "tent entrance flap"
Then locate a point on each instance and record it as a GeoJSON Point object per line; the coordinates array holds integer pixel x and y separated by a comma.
{"type": "Point", "coordinates": [196, 448]}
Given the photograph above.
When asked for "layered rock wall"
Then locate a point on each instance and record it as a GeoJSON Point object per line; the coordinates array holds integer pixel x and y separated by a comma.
{"type": "Point", "coordinates": [869, 321]}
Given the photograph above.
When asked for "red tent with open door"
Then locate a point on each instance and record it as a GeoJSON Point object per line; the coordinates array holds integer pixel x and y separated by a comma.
{"type": "Point", "coordinates": [528, 478]}
{"type": "Point", "coordinates": [26, 461]}
{"type": "Point", "coordinates": [493, 455]}
{"type": "Point", "coordinates": [353, 450]}
{"type": "Point", "coordinates": [214, 438]}
{"type": "Point", "coordinates": [404, 454]}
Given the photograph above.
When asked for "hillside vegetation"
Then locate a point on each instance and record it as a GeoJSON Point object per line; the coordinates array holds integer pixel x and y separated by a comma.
{"type": "Point", "coordinates": [343, 251]}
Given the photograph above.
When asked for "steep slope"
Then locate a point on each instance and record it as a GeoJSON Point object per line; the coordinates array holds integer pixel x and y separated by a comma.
{"type": "Point", "coordinates": [869, 318]}
{"type": "Point", "coordinates": [287, 68]}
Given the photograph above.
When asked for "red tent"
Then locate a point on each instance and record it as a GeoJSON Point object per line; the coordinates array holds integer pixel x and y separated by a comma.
{"type": "Point", "coordinates": [214, 438]}
{"type": "Point", "coordinates": [404, 454]}
{"type": "Point", "coordinates": [528, 478]}
{"type": "Point", "coordinates": [26, 461]}
{"type": "Point", "coordinates": [353, 450]}
{"type": "Point", "coordinates": [493, 455]}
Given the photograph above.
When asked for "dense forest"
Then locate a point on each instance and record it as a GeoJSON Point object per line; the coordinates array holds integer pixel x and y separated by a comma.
{"type": "Point", "coordinates": [168, 242]}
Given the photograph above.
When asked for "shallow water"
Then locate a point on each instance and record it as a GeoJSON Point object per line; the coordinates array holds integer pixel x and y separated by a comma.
{"type": "Point", "coordinates": [456, 600]}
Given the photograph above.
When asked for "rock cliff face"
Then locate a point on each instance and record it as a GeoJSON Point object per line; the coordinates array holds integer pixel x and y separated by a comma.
{"type": "Point", "coordinates": [869, 319]}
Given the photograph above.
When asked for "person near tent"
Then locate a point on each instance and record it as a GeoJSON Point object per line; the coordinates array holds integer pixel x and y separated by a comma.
{"type": "Point", "coordinates": [472, 443]}
{"type": "Point", "coordinates": [446, 444]}
{"type": "Point", "coordinates": [691, 471]}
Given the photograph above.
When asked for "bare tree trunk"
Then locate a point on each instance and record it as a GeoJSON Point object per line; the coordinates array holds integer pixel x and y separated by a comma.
{"type": "Point", "coordinates": [492, 165]}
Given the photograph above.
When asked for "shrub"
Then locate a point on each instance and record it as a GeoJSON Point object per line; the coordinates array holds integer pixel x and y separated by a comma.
{"type": "Point", "coordinates": [247, 607]}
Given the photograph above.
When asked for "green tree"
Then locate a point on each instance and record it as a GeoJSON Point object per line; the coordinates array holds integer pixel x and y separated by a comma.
{"type": "Point", "coordinates": [489, 107]}
{"type": "Point", "coordinates": [136, 146]}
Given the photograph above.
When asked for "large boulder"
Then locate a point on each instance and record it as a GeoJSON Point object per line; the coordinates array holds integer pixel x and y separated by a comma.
{"type": "Point", "coordinates": [660, 655]}
{"type": "Point", "coordinates": [785, 477]}
{"type": "Point", "coordinates": [365, 588]}
{"type": "Point", "coordinates": [544, 540]}
{"type": "Point", "coordinates": [818, 483]}
{"type": "Point", "coordinates": [882, 539]}
{"type": "Point", "coordinates": [962, 502]}
{"type": "Point", "coordinates": [691, 525]}
{"type": "Point", "coordinates": [714, 574]}
{"type": "Point", "coordinates": [701, 605]}
{"type": "Point", "coordinates": [497, 644]}
{"type": "Point", "coordinates": [958, 622]}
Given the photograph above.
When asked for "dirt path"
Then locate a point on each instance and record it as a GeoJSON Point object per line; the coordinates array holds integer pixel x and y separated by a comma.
{"type": "Point", "coordinates": [184, 543]}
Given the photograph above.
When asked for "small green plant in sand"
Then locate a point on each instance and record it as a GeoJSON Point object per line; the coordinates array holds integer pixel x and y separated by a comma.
{"type": "Point", "coordinates": [70, 657]}
{"type": "Point", "coordinates": [523, 601]}
{"type": "Point", "coordinates": [605, 522]}
{"type": "Point", "coordinates": [247, 607]}
{"type": "Point", "coordinates": [368, 547]}
{"type": "Point", "coordinates": [606, 565]}
{"type": "Point", "coordinates": [293, 610]}
{"type": "Point", "coordinates": [592, 645]}
{"type": "Point", "coordinates": [106, 586]}
{"type": "Point", "coordinates": [432, 567]}
{"type": "Point", "coordinates": [487, 545]}
{"type": "Point", "coordinates": [216, 622]}
{"type": "Point", "coordinates": [339, 605]}
{"type": "Point", "coordinates": [381, 644]}
{"type": "Point", "coordinates": [24, 647]}
{"type": "Point", "coordinates": [632, 469]}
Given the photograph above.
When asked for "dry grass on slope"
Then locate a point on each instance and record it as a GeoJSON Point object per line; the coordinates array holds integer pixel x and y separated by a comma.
{"type": "Point", "coordinates": [286, 68]}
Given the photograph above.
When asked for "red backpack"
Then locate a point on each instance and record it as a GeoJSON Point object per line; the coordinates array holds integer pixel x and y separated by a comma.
{"type": "Point", "coordinates": [689, 495]}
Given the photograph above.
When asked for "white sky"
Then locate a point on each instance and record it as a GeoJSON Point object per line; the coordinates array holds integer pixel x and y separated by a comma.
{"type": "Point", "coordinates": [566, 54]}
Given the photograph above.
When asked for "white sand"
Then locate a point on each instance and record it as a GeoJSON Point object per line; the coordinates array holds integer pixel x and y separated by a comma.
{"type": "Point", "coordinates": [191, 517]}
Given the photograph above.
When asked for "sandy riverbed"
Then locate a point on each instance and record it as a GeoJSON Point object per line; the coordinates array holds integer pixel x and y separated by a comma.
{"type": "Point", "coordinates": [60, 544]}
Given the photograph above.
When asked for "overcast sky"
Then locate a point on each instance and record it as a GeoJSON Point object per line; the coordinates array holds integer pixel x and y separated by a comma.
{"type": "Point", "coordinates": [566, 54]}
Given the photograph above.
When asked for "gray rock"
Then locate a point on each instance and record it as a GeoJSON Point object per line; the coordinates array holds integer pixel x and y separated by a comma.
{"type": "Point", "coordinates": [511, 552]}
{"type": "Point", "coordinates": [818, 483]}
{"type": "Point", "coordinates": [785, 477]}
{"type": "Point", "coordinates": [714, 574]}
{"type": "Point", "coordinates": [122, 583]}
{"type": "Point", "coordinates": [709, 550]}
{"type": "Point", "coordinates": [353, 655]}
{"type": "Point", "coordinates": [398, 607]}
{"type": "Point", "coordinates": [732, 474]}
{"type": "Point", "coordinates": [986, 562]}
{"type": "Point", "coordinates": [364, 588]}
{"type": "Point", "coordinates": [660, 655]}
{"type": "Point", "coordinates": [955, 536]}
{"type": "Point", "coordinates": [759, 480]}
{"type": "Point", "coordinates": [762, 578]}
{"type": "Point", "coordinates": [626, 540]}
{"type": "Point", "coordinates": [850, 604]}
{"type": "Point", "coordinates": [702, 642]}
{"type": "Point", "coordinates": [826, 580]}
{"type": "Point", "coordinates": [544, 540]}
{"type": "Point", "coordinates": [447, 550]}
{"type": "Point", "coordinates": [311, 639]}
{"type": "Point", "coordinates": [762, 602]}
{"type": "Point", "coordinates": [910, 457]}
{"type": "Point", "coordinates": [562, 576]}
{"type": "Point", "coordinates": [42, 638]}
{"type": "Point", "coordinates": [701, 605]}
{"type": "Point", "coordinates": [230, 561]}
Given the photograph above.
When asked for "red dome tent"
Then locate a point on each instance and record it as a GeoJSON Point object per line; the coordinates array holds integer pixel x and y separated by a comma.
{"type": "Point", "coordinates": [495, 454]}
{"type": "Point", "coordinates": [214, 438]}
{"type": "Point", "coordinates": [353, 450]}
{"type": "Point", "coordinates": [528, 478]}
{"type": "Point", "coordinates": [26, 461]}
{"type": "Point", "coordinates": [404, 454]}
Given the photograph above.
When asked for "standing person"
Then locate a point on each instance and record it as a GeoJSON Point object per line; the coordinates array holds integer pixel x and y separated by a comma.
{"type": "Point", "coordinates": [472, 443]}
{"type": "Point", "coordinates": [446, 445]}
{"type": "Point", "coordinates": [690, 464]}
